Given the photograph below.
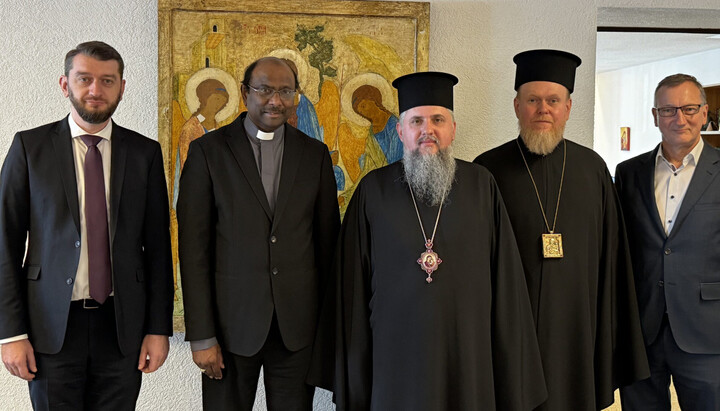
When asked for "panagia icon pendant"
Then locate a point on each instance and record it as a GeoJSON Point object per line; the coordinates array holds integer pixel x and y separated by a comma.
{"type": "Point", "coordinates": [429, 261]}
{"type": "Point", "coordinates": [552, 245]}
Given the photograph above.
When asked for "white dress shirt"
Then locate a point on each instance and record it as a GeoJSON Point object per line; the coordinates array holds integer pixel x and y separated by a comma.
{"type": "Point", "coordinates": [671, 184]}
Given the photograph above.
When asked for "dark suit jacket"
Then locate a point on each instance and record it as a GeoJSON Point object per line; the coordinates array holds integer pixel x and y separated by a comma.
{"type": "Point", "coordinates": [39, 200]}
{"type": "Point", "coordinates": [680, 271]}
{"type": "Point", "coordinates": [239, 263]}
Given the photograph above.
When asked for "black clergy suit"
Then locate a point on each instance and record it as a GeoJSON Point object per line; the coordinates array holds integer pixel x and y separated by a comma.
{"type": "Point", "coordinates": [677, 276]}
{"type": "Point", "coordinates": [39, 201]}
{"type": "Point", "coordinates": [243, 266]}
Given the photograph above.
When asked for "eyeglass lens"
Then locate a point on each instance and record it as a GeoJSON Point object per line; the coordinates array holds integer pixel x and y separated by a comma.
{"type": "Point", "coordinates": [688, 110]}
{"type": "Point", "coordinates": [266, 92]}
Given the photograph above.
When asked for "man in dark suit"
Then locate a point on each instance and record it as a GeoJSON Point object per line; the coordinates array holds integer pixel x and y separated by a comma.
{"type": "Point", "coordinates": [86, 303]}
{"type": "Point", "coordinates": [258, 220]}
{"type": "Point", "coordinates": [671, 200]}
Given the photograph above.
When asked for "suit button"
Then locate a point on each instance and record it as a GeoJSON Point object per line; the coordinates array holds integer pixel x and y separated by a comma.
{"type": "Point", "coordinates": [668, 251]}
{"type": "Point", "coordinates": [77, 244]}
{"type": "Point", "coordinates": [69, 281]}
{"type": "Point", "coordinates": [661, 283]}
{"type": "Point", "coordinates": [275, 271]}
{"type": "Point", "coordinates": [273, 239]}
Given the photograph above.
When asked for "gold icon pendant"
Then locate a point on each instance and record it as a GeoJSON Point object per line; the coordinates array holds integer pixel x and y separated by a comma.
{"type": "Point", "coordinates": [552, 245]}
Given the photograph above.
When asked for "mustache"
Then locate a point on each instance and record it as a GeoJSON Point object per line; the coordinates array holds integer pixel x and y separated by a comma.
{"type": "Point", "coordinates": [425, 138]}
{"type": "Point", "coordinates": [543, 118]}
{"type": "Point", "coordinates": [274, 110]}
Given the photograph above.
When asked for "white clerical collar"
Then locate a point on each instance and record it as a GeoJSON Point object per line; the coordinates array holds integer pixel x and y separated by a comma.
{"type": "Point", "coordinates": [76, 130]}
{"type": "Point", "coordinates": [252, 130]}
{"type": "Point", "coordinates": [261, 135]}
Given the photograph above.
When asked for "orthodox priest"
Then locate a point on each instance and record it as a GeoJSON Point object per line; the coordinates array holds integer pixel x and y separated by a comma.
{"type": "Point", "coordinates": [432, 308]}
{"type": "Point", "coordinates": [571, 236]}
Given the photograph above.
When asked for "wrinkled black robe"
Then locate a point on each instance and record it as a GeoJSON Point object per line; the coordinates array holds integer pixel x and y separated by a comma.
{"type": "Point", "coordinates": [463, 342]}
{"type": "Point", "coordinates": [584, 304]}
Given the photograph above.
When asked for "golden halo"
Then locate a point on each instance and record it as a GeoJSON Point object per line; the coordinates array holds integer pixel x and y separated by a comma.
{"type": "Point", "coordinates": [373, 79]}
{"type": "Point", "coordinates": [302, 67]}
{"type": "Point", "coordinates": [191, 98]}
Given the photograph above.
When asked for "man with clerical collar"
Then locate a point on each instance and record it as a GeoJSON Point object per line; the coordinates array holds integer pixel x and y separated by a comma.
{"type": "Point", "coordinates": [432, 309]}
{"type": "Point", "coordinates": [86, 294]}
{"type": "Point", "coordinates": [671, 201]}
{"type": "Point", "coordinates": [258, 220]}
{"type": "Point", "coordinates": [571, 235]}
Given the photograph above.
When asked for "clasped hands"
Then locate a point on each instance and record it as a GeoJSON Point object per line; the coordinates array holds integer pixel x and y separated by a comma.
{"type": "Point", "coordinates": [210, 361]}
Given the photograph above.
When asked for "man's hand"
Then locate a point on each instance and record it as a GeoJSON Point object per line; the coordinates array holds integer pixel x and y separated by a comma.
{"type": "Point", "coordinates": [210, 361]}
{"type": "Point", "coordinates": [19, 359]}
{"type": "Point", "coordinates": [153, 352]}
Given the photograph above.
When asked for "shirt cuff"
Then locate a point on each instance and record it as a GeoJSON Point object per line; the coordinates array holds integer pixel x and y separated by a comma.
{"type": "Point", "coordinates": [13, 339]}
{"type": "Point", "coordinates": [200, 345]}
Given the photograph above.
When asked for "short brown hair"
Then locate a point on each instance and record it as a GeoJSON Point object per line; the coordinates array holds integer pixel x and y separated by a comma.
{"type": "Point", "coordinates": [97, 50]}
{"type": "Point", "coordinates": [678, 79]}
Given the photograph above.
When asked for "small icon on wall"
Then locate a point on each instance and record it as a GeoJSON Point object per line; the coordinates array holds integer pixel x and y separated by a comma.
{"type": "Point", "coordinates": [625, 138]}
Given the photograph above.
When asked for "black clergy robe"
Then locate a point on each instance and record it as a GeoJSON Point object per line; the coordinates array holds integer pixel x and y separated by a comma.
{"type": "Point", "coordinates": [463, 342]}
{"type": "Point", "coordinates": [584, 304]}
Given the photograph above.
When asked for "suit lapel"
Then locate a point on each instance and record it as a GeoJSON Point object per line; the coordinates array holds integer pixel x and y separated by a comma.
{"type": "Point", "coordinates": [237, 140]}
{"type": "Point", "coordinates": [646, 183]}
{"type": "Point", "coordinates": [62, 143]}
{"type": "Point", "coordinates": [118, 159]}
{"type": "Point", "coordinates": [292, 154]}
{"type": "Point", "coordinates": [705, 172]}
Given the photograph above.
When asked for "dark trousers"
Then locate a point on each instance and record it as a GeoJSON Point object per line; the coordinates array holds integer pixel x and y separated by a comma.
{"type": "Point", "coordinates": [696, 378]}
{"type": "Point", "coordinates": [89, 373]}
{"type": "Point", "coordinates": [284, 375]}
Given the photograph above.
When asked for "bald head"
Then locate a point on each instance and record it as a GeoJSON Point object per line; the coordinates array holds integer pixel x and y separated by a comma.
{"type": "Point", "coordinates": [277, 62]}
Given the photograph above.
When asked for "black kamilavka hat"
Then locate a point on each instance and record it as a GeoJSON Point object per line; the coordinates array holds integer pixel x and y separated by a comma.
{"type": "Point", "coordinates": [429, 88]}
{"type": "Point", "coordinates": [546, 65]}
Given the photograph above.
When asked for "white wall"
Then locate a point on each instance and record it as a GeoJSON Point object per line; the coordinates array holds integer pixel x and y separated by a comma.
{"type": "Point", "coordinates": [621, 99]}
{"type": "Point", "coordinates": [624, 98]}
{"type": "Point", "coordinates": [475, 40]}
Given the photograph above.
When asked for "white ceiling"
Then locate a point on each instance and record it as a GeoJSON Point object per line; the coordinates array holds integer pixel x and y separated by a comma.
{"type": "Point", "coordinates": [617, 50]}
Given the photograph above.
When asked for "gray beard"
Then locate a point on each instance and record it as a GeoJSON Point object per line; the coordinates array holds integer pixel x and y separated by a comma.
{"type": "Point", "coordinates": [541, 142]}
{"type": "Point", "coordinates": [429, 175]}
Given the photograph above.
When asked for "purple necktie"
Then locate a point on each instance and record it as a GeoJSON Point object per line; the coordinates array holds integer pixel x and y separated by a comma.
{"type": "Point", "coordinates": [98, 240]}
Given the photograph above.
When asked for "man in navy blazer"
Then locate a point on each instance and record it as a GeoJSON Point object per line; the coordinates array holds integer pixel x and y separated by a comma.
{"type": "Point", "coordinates": [80, 349]}
{"type": "Point", "coordinates": [671, 201]}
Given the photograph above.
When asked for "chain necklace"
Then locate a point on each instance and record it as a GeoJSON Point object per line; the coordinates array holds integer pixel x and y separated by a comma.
{"type": "Point", "coordinates": [429, 260]}
{"type": "Point", "coordinates": [551, 242]}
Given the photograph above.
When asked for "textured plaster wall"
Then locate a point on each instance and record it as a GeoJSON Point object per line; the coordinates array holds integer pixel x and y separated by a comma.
{"type": "Point", "coordinates": [475, 40]}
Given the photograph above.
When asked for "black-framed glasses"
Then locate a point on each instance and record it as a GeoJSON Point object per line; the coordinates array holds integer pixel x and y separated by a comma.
{"type": "Point", "coordinates": [688, 110]}
{"type": "Point", "coordinates": [286, 94]}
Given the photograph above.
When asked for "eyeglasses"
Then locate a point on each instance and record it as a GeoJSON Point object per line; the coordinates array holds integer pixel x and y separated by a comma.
{"type": "Point", "coordinates": [689, 110]}
{"type": "Point", "coordinates": [267, 92]}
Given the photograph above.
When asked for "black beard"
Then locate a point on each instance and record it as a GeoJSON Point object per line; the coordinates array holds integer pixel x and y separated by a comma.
{"type": "Point", "coordinates": [92, 117]}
